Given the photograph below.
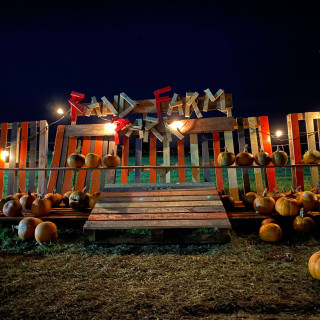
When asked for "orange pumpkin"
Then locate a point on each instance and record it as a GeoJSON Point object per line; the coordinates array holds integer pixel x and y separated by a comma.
{"type": "Point", "coordinates": [311, 157]}
{"type": "Point", "coordinates": [111, 160]}
{"type": "Point", "coordinates": [279, 158]}
{"type": "Point", "coordinates": [19, 194]}
{"type": "Point", "coordinates": [6, 199]}
{"type": "Point", "coordinates": [248, 200]}
{"type": "Point", "coordinates": [314, 265]}
{"type": "Point", "coordinates": [46, 231]}
{"type": "Point", "coordinates": [93, 199]}
{"type": "Point", "coordinates": [227, 200]}
{"type": "Point", "coordinates": [262, 158]}
{"type": "Point", "coordinates": [308, 200]}
{"type": "Point", "coordinates": [303, 224]}
{"type": "Point", "coordinates": [270, 232]}
{"type": "Point", "coordinates": [79, 200]}
{"type": "Point", "coordinates": [41, 207]}
{"type": "Point", "coordinates": [76, 160]}
{"type": "Point", "coordinates": [226, 158]}
{"type": "Point", "coordinates": [54, 197]}
{"type": "Point", "coordinates": [264, 204]}
{"type": "Point", "coordinates": [244, 158]}
{"type": "Point", "coordinates": [287, 206]}
{"type": "Point", "coordinates": [269, 220]}
{"type": "Point", "coordinates": [26, 201]}
{"type": "Point", "coordinates": [316, 190]}
{"type": "Point", "coordinates": [92, 160]}
{"type": "Point", "coordinates": [12, 208]}
{"type": "Point", "coordinates": [26, 228]}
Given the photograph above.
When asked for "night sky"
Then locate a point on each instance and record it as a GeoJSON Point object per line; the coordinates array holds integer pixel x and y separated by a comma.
{"type": "Point", "coordinates": [265, 53]}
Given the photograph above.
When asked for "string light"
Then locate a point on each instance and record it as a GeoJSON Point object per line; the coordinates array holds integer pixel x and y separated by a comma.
{"type": "Point", "coordinates": [110, 127]}
{"type": "Point", "coordinates": [60, 111]}
{"type": "Point", "coordinates": [278, 133]}
{"type": "Point", "coordinates": [4, 155]}
{"type": "Point", "coordinates": [176, 125]}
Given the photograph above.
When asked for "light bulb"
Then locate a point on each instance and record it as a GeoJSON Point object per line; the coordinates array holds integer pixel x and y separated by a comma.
{"type": "Point", "coordinates": [60, 111]}
{"type": "Point", "coordinates": [4, 155]}
{"type": "Point", "coordinates": [278, 133]}
{"type": "Point", "coordinates": [176, 125]}
{"type": "Point", "coordinates": [110, 127]}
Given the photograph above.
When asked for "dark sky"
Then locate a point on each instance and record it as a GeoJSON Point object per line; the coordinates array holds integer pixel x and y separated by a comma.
{"type": "Point", "coordinates": [264, 52]}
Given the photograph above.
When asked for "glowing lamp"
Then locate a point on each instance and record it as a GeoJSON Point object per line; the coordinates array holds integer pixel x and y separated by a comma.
{"type": "Point", "coordinates": [110, 127]}
{"type": "Point", "coordinates": [176, 125]}
{"type": "Point", "coordinates": [60, 111]}
{"type": "Point", "coordinates": [278, 133]}
{"type": "Point", "coordinates": [4, 154]}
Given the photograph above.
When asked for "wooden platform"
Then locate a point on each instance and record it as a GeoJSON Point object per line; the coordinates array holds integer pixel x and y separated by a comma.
{"type": "Point", "coordinates": [158, 206]}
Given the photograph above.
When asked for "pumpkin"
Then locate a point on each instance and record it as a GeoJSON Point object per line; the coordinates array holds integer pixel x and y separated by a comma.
{"type": "Point", "coordinates": [264, 204]}
{"type": "Point", "coordinates": [55, 198]}
{"type": "Point", "coordinates": [303, 224]}
{"type": "Point", "coordinates": [79, 200]}
{"type": "Point", "coordinates": [6, 199]}
{"type": "Point", "coordinates": [66, 196]}
{"type": "Point", "coordinates": [279, 158]}
{"type": "Point", "coordinates": [248, 200]}
{"type": "Point", "coordinates": [76, 160]}
{"type": "Point", "coordinates": [227, 200]}
{"type": "Point", "coordinates": [92, 160]}
{"type": "Point", "coordinates": [226, 158]}
{"type": "Point", "coordinates": [26, 228]}
{"type": "Point", "coordinates": [287, 206]}
{"type": "Point", "coordinates": [269, 220]}
{"type": "Point", "coordinates": [314, 265]}
{"type": "Point", "coordinates": [26, 201]}
{"type": "Point", "coordinates": [93, 199]}
{"type": "Point", "coordinates": [244, 158]}
{"type": "Point", "coordinates": [308, 200]}
{"type": "Point", "coordinates": [316, 190]}
{"type": "Point", "coordinates": [275, 194]}
{"type": "Point", "coordinates": [270, 232]}
{"type": "Point", "coordinates": [262, 158]}
{"type": "Point", "coordinates": [19, 194]}
{"type": "Point", "coordinates": [46, 231]}
{"type": "Point", "coordinates": [12, 208]}
{"type": "Point", "coordinates": [311, 157]}
{"type": "Point", "coordinates": [41, 207]}
{"type": "Point", "coordinates": [111, 160]}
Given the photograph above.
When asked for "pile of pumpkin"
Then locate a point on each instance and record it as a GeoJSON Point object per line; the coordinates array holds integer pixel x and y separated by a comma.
{"type": "Point", "coordinates": [40, 205]}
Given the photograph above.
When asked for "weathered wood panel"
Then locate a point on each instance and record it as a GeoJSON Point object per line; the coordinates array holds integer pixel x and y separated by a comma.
{"type": "Point", "coordinates": [111, 174]}
{"type": "Point", "coordinates": [95, 182]}
{"type": "Point", "coordinates": [152, 157]}
{"type": "Point", "coordinates": [181, 160]}
{"type": "Point", "coordinates": [43, 156]}
{"type": "Point", "coordinates": [205, 157]}
{"type": "Point", "coordinates": [72, 145]}
{"type": "Point", "coordinates": [166, 159]}
{"type": "Point", "coordinates": [82, 174]}
{"type": "Point", "coordinates": [138, 159]}
{"type": "Point", "coordinates": [23, 155]}
{"type": "Point", "coordinates": [125, 159]}
{"type": "Point", "coordinates": [32, 155]}
{"type": "Point", "coordinates": [12, 176]}
{"type": "Point", "coordinates": [216, 151]}
{"type": "Point", "coordinates": [3, 145]}
{"type": "Point", "coordinates": [194, 151]}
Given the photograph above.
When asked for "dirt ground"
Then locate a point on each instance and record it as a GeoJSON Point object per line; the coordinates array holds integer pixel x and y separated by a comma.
{"type": "Point", "coordinates": [242, 279]}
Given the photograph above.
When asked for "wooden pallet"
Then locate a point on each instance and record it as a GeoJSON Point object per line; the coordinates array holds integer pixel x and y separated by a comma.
{"type": "Point", "coordinates": [157, 207]}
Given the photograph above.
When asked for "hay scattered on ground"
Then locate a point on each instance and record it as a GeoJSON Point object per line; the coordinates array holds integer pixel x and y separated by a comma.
{"type": "Point", "coordinates": [244, 278]}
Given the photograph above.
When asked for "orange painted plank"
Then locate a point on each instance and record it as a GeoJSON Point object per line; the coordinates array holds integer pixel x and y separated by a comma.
{"type": "Point", "coordinates": [152, 157]}
{"type": "Point", "coordinates": [95, 181]}
{"type": "Point", "coordinates": [216, 151]}
{"type": "Point", "coordinates": [23, 155]}
{"type": "Point", "coordinates": [67, 182]}
{"type": "Point", "coordinates": [181, 160]}
{"type": "Point", "coordinates": [82, 173]}
{"type": "Point", "coordinates": [3, 144]}
{"type": "Point", "coordinates": [265, 134]}
{"type": "Point", "coordinates": [125, 159]}
{"type": "Point", "coordinates": [56, 158]}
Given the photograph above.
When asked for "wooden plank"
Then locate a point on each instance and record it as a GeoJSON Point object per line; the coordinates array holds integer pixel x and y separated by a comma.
{"type": "Point", "coordinates": [194, 151]}
{"type": "Point", "coordinates": [32, 155]}
{"type": "Point", "coordinates": [242, 143]}
{"type": "Point", "coordinates": [181, 160]}
{"type": "Point", "coordinates": [95, 181]}
{"type": "Point", "coordinates": [72, 145]}
{"type": "Point", "coordinates": [232, 173]}
{"type": "Point", "coordinates": [266, 145]}
{"type": "Point", "coordinates": [216, 151]}
{"type": "Point", "coordinates": [205, 157]}
{"type": "Point", "coordinates": [295, 149]}
{"type": "Point", "coordinates": [103, 173]}
{"type": "Point", "coordinates": [148, 224]}
{"type": "Point", "coordinates": [82, 173]}
{"type": "Point", "coordinates": [148, 198]}
{"type": "Point", "coordinates": [152, 158]}
{"type": "Point", "coordinates": [55, 158]}
{"type": "Point", "coordinates": [23, 155]}
{"type": "Point", "coordinates": [43, 156]}
{"type": "Point", "coordinates": [111, 174]}
{"type": "Point", "coordinates": [161, 216]}
{"type": "Point", "coordinates": [166, 160]}
{"type": "Point", "coordinates": [3, 145]}
{"type": "Point", "coordinates": [138, 160]}
{"type": "Point", "coordinates": [311, 137]}
{"type": "Point", "coordinates": [125, 159]}
{"type": "Point", "coordinates": [12, 176]}
{"type": "Point", "coordinates": [255, 149]}
{"type": "Point", "coordinates": [89, 172]}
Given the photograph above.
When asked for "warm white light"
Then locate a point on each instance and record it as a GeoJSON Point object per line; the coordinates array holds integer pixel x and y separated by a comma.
{"type": "Point", "coordinates": [4, 155]}
{"type": "Point", "coordinates": [279, 133]}
{"type": "Point", "coordinates": [176, 125]}
{"type": "Point", "coordinates": [110, 127]}
{"type": "Point", "coordinates": [60, 111]}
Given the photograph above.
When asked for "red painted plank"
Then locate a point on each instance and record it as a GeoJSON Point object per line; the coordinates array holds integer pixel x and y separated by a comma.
{"type": "Point", "coordinates": [125, 159]}
{"type": "Point", "coordinates": [216, 151]}
{"type": "Point", "coordinates": [56, 158]}
{"type": "Point", "coordinates": [95, 181]}
{"type": "Point", "coordinates": [181, 160]}
{"type": "Point", "coordinates": [3, 144]}
{"type": "Point", "coordinates": [67, 182]}
{"type": "Point", "coordinates": [152, 157]}
{"type": "Point", "coordinates": [82, 173]}
{"type": "Point", "coordinates": [265, 134]}
{"type": "Point", "coordinates": [23, 155]}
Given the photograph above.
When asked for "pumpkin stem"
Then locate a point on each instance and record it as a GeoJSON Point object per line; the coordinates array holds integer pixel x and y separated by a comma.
{"type": "Point", "coordinates": [112, 152]}
{"type": "Point", "coordinates": [284, 188]}
{"type": "Point", "coordinates": [19, 190]}
{"type": "Point", "coordinates": [78, 149]}
{"type": "Point", "coordinates": [264, 194]}
{"type": "Point", "coordinates": [29, 193]}
{"type": "Point", "coordinates": [54, 191]}
{"type": "Point", "coordinates": [278, 148]}
{"type": "Point", "coordinates": [84, 189]}
{"type": "Point", "coordinates": [226, 148]}
{"type": "Point", "coordinates": [302, 212]}
{"type": "Point", "coordinates": [245, 148]}
{"type": "Point", "coordinates": [223, 192]}
{"type": "Point", "coordinates": [318, 185]}
{"type": "Point", "coordinates": [298, 188]}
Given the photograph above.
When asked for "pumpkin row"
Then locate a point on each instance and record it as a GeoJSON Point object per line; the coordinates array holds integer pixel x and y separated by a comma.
{"type": "Point", "coordinates": [92, 160]}
{"type": "Point", "coordinates": [14, 205]}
